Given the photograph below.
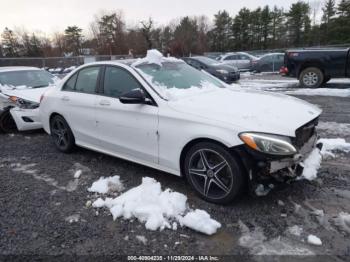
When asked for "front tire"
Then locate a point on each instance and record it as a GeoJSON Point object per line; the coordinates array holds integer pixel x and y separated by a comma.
{"type": "Point", "coordinates": [7, 124]}
{"type": "Point", "coordinates": [213, 172]}
{"type": "Point", "coordinates": [311, 77]}
{"type": "Point", "coordinates": [61, 134]}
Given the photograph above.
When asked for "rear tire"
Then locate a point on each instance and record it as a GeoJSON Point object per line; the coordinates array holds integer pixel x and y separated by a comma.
{"type": "Point", "coordinates": [7, 124]}
{"type": "Point", "coordinates": [61, 134]}
{"type": "Point", "coordinates": [213, 172]}
{"type": "Point", "coordinates": [311, 77]}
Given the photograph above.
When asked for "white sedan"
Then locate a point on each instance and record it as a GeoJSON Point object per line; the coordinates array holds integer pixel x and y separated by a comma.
{"type": "Point", "coordinates": [20, 90]}
{"type": "Point", "coordinates": [162, 113]}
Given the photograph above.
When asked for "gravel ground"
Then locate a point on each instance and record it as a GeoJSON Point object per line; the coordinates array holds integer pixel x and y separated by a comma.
{"type": "Point", "coordinates": [43, 208]}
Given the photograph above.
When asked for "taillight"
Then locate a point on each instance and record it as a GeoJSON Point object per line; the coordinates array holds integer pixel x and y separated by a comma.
{"type": "Point", "coordinates": [293, 54]}
{"type": "Point", "coordinates": [284, 70]}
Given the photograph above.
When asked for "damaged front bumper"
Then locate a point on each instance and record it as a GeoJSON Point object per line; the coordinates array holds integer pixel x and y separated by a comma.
{"type": "Point", "coordinates": [265, 170]}
{"type": "Point", "coordinates": [26, 119]}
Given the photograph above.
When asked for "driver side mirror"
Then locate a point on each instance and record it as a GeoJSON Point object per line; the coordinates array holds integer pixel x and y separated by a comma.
{"type": "Point", "coordinates": [135, 96]}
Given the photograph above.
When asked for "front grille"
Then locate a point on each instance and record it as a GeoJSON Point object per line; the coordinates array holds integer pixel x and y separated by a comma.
{"type": "Point", "coordinates": [305, 132]}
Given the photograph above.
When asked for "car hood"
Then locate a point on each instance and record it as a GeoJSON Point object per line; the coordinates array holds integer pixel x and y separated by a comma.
{"type": "Point", "coordinates": [249, 110]}
{"type": "Point", "coordinates": [26, 93]}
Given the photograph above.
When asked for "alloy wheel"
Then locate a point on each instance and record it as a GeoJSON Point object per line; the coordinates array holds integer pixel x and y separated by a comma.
{"type": "Point", "coordinates": [310, 79]}
{"type": "Point", "coordinates": [210, 173]}
{"type": "Point", "coordinates": [60, 133]}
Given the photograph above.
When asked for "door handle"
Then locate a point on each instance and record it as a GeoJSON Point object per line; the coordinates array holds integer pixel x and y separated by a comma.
{"type": "Point", "coordinates": [65, 98]}
{"type": "Point", "coordinates": [105, 103]}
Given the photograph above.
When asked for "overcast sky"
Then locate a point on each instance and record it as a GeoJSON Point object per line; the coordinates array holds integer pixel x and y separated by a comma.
{"type": "Point", "coordinates": [48, 16]}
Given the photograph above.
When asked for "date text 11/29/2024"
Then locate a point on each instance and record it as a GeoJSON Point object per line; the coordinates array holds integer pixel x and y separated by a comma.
{"type": "Point", "coordinates": [173, 258]}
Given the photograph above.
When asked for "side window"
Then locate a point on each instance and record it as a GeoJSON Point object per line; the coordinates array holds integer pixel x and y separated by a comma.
{"type": "Point", "coordinates": [118, 81]}
{"type": "Point", "coordinates": [87, 80]}
{"type": "Point", "coordinates": [244, 57]}
{"type": "Point", "coordinates": [70, 84]}
{"type": "Point", "coordinates": [231, 57]}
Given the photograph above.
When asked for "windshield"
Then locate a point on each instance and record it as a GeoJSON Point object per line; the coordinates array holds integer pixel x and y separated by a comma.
{"type": "Point", "coordinates": [174, 80]}
{"type": "Point", "coordinates": [206, 60]}
{"type": "Point", "coordinates": [30, 78]}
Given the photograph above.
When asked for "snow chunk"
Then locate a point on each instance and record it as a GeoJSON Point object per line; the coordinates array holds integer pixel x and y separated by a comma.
{"type": "Point", "coordinates": [200, 220]}
{"type": "Point", "coordinates": [311, 165]}
{"type": "Point", "coordinates": [157, 209]}
{"type": "Point", "coordinates": [313, 162]}
{"type": "Point", "coordinates": [343, 221]}
{"type": "Point", "coordinates": [295, 230]}
{"type": "Point", "coordinates": [105, 185]}
{"type": "Point", "coordinates": [153, 56]}
{"type": "Point", "coordinates": [335, 144]}
{"type": "Point", "coordinates": [314, 240]}
{"type": "Point", "coordinates": [73, 218]}
{"type": "Point", "coordinates": [142, 239]}
{"type": "Point", "coordinates": [77, 174]}
{"type": "Point", "coordinates": [261, 190]}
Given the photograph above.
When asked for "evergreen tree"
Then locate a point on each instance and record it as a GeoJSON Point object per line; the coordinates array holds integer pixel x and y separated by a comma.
{"type": "Point", "coordinates": [222, 32]}
{"type": "Point", "coordinates": [10, 44]}
{"type": "Point", "coordinates": [185, 37]}
{"type": "Point", "coordinates": [329, 12]}
{"type": "Point", "coordinates": [73, 37]}
{"type": "Point", "coordinates": [344, 8]}
{"type": "Point", "coordinates": [299, 23]}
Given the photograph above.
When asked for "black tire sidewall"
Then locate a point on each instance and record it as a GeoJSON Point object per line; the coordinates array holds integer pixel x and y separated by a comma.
{"type": "Point", "coordinates": [237, 171]}
{"type": "Point", "coordinates": [71, 139]}
{"type": "Point", "coordinates": [3, 115]}
{"type": "Point", "coordinates": [316, 70]}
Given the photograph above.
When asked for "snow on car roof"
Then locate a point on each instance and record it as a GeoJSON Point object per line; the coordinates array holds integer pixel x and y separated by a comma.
{"type": "Point", "coordinates": [17, 68]}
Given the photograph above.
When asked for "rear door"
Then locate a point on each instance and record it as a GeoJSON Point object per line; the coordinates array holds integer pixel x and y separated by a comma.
{"type": "Point", "coordinates": [78, 100]}
{"type": "Point", "coordinates": [127, 130]}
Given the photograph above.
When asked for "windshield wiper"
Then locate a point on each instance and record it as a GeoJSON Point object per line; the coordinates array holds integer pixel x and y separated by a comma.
{"type": "Point", "coordinates": [38, 86]}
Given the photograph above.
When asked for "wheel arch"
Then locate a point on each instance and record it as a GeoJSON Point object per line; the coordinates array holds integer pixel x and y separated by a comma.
{"type": "Point", "coordinates": [186, 148]}
{"type": "Point", "coordinates": [308, 64]}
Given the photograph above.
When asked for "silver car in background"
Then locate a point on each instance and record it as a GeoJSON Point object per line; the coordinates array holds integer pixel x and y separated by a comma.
{"type": "Point", "coordinates": [242, 60]}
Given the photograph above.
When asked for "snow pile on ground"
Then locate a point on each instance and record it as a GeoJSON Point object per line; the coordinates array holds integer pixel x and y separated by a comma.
{"type": "Point", "coordinates": [343, 221]}
{"type": "Point", "coordinates": [320, 92]}
{"type": "Point", "coordinates": [334, 144]}
{"type": "Point", "coordinates": [157, 209]}
{"type": "Point", "coordinates": [314, 240]}
{"type": "Point", "coordinates": [105, 185]}
{"type": "Point", "coordinates": [313, 162]}
{"type": "Point", "coordinates": [200, 220]}
{"type": "Point", "coordinates": [258, 244]}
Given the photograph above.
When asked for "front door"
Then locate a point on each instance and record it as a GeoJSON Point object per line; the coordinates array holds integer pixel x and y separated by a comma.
{"type": "Point", "coordinates": [126, 130]}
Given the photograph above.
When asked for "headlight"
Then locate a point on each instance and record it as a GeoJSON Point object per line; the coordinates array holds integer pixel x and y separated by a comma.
{"type": "Point", "coordinates": [222, 71]}
{"type": "Point", "coordinates": [269, 144]}
{"type": "Point", "coordinates": [22, 103]}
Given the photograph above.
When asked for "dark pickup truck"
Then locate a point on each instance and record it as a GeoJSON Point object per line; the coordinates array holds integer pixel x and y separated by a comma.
{"type": "Point", "coordinates": [315, 67]}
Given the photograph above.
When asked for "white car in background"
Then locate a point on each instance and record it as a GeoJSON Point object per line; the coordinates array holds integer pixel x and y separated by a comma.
{"type": "Point", "coordinates": [20, 92]}
{"type": "Point", "coordinates": [161, 112]}
{"type": "Point", "coordinates": [241, 60]}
